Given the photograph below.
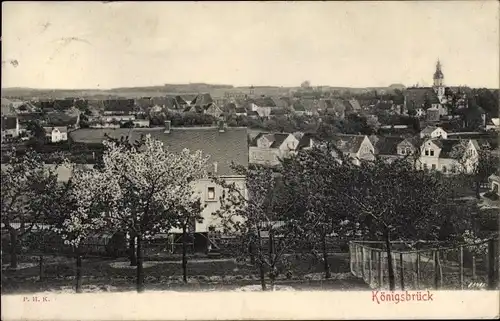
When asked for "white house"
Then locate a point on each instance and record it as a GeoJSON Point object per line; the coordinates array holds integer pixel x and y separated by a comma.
{"type": "Point", "coordinates": [56, 134]}
{"type": "Point", "coordinates": [433, 132]}
{"type": "Point", "coordinates": [448, 155]}
{"type": "Point", "coordinates": [357, 147]}
{"type": "Point", "coordinates": [268, 149]}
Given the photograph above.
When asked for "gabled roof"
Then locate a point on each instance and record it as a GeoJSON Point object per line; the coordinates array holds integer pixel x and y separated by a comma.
{"type": "Point", "coordinates": [202, 100]}
{"type": "Point", "coordinates": [264, 102]}
{"type": "Point", "coordinates": [446, 146]}
{"type": "Point", "coordinates": [276, 139]}
{"type": "Point", "coordinates": [305, 140]}
{"type": "Point", "coordinates": [122, 105]}
{"type": "Point", "coordinates": [62, 129]}
{"type": "Point", "coordinates": [415, 141]}
{"type": "Point", "coordinates": [211, 105]}
{"type": "Point", "coordinates": [387, 145]}
{"type": "Point", "coordinates": [348, 143]}
{"type": "Point", "coordinates": [189, 98]}
{"type": "Point", "coordinates": [429, 129]}
{"type": "Point", "coordinates": [9, 122]}
{"type": "Point", "coordinates": [160, 100]}
{"type": "Point", "coordinates": [181, 101]}
{"type": "Point", "coordinates": [230, 145]}
{"type": "Point", "coordinates": [279, 138]}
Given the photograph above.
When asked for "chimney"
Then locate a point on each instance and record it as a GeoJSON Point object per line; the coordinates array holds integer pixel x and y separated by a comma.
{"type": "Point", "coordinates": [221, 126]}
{"type": "Point", "coordinates": [167, 127]}
{"type": "Point", "coordinates": [215, 167]}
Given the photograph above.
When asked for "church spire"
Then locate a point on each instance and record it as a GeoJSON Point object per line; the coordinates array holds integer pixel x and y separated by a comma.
{"type": "Point", "coordinates": [438, 74]}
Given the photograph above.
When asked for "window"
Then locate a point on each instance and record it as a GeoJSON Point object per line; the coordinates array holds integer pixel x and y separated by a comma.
{"type": "Point", "coordinates": [433, 166]}
{"type": "Point", "coordinates": [426, 152]}
{"type": "Point", "coordinates": [445, 169]}
{"type": "Point", "coordinates": [211, 194]}
{"type": "Point", "coordinates": [425, 166]}
{"type": "Point", "coordinates": [432, 152]}
{"type": "Point", "coordinates": [403, 151]}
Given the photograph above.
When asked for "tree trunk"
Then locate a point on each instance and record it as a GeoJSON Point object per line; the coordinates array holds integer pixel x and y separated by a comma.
{"type": "Point", "coordinates": [78, 270]}
{"type": "Point", "coordinates": [184, 254]}
{"type": "Point", "coordinates": [140, 261]}
{"type": "Point", "coordinates": [40, 267]}
{"type": "Point", "coordinates": [131, 247]}
{"type": "Point", "coordinates": [272, 260]}
{"type": "Point", "coordinates": [389, 259]}
{"type": "Point", "coordinates": [13, 248]}
{"type": "Point", "coordinates": [325, 259]}
{"type": "Point", "coordinates": [262, 275]}
{"type": "Point", "coordinates": [251, 250]}
{"type": "Point", "coordinates": [261, 263]}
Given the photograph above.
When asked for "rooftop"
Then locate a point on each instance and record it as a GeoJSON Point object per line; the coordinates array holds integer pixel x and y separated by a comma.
{"type": "Point", "coordinates": [223, 147]}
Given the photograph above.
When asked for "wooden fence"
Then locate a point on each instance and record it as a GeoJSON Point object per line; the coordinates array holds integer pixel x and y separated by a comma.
{"type": "Point", "coordinates": [461, 267]}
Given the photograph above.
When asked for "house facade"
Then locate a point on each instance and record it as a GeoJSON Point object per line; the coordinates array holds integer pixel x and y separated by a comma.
{"type": "Point", "coordinates": [267, 149]}
{"type": "Point", "coordinates": [357, 147]}
{"type": "Point", "coordinates": [446, 156]}
{"type": "Point", "coordinates": [56, 134]}
{"type": "Point", "coordinates": [433, 132]}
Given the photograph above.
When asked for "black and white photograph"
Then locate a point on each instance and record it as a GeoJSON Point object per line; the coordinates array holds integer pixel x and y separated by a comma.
{"type": "Point", "coordinates": [244, 148]}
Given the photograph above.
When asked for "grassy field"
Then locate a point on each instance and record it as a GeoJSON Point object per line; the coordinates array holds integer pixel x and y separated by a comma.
{"type": "Point", "coordinates": [223, 274]}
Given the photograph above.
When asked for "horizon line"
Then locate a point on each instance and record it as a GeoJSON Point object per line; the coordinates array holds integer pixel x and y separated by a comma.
{"type": "Point", "coordinates": [239, 86]}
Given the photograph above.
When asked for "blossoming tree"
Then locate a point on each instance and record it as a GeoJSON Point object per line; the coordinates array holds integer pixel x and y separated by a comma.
{"type": "Point", "coordinates": [27, 196]}
{"type": "Point", "coordinates": [152, 183]}
{"type": "Point", "coordinates": [86, 202]}
{"type": "Point", "coordinates": [256, 217]}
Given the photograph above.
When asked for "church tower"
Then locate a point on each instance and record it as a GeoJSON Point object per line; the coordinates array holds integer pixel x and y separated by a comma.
{"type": "Point", "coordinates": [439, 81]}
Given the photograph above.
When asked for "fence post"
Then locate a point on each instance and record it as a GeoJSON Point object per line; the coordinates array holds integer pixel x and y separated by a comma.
{"type": "Point", "coordinates": [417, 278]}
{"type": "Point", "coordinates": [436, 269]}
{"type": "Point", "coordinates": [492, 273]}
{"type": "Point", "coordinates": [363, 263]}
{"type": "Point", "coordinates": [380, 272]}
{"type": "Point", "coordinates": [461, 267]}
{"type": "Point", "coordinates": [351, 261]}
{"type": "Point", "coordinates": [402, 271]}
{"type": "Point", "coordinates": [370, 267]}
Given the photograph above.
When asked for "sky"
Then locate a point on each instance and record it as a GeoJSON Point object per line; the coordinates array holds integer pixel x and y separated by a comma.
{"type": "Point", "coordinates": [77, 45]}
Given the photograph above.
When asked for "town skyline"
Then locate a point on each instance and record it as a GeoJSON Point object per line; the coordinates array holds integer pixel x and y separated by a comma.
{"type": "Point", "coordinates": [338, 44]}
